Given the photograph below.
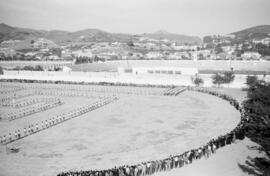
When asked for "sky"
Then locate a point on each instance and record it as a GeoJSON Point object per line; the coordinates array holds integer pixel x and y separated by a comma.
{"type": "Point", "coordinates": [190, 17]}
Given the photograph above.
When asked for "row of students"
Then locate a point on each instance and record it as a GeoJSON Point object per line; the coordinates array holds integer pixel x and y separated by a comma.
{"type": "Point", "coordinates": [26, 102]}
{"type": "Point", "coordinates": [174, 91]}
{"type": "Point", "coordinates": [33, 109]}
{"type": "Point", "coordinates": [86, 89]}
{"type": "Point", "coordinates": [34, 128]}
{"type": "Point", "coordinates": [10, 97]}
{"type": "Point", "coordinates": [10, 89]}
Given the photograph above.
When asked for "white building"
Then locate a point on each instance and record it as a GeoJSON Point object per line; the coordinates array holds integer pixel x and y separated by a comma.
{"type": "Point", "coordinates": [83, 53]}
{"type": "Point", "coordinates": [66, 69]}
{"type": "Point", "coordinates": [159, 70]}
{"type": "Point", "coordinates": [184, 47]}
{"type": "Point", "coordinates": [251, 55]}
{"type": "Point", "coordinates": [152, 55]}
{"type": "Point", "coordinates": [265, 41]}
{"type": "Point", "coordinates": [44, 43]}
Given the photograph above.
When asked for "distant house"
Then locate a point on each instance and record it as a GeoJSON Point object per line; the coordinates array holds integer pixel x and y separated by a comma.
{"type": "Point", "coordinates": [154, 55]}
{"type": "Point", "coordinates": [7, 51]}
{"type": "Point", "coordinates": [228, 49]}
{"type": "Point", "coordinates": [30, 54]}
{"type": "Point", "coordinates": [66, 69]}
{"type": "Point", "coordinates": [175, 46]}
{"type": "Point", "coordinates": [82, 53]}
{"type": "Point", "coordinates": [53, 57]}
{"type": "Point", "coordinates": [9, 43]}
{"type": "Point", "coordinates": [265, 41]}
{"type": "Point", "coordinates": [159, 70]}
{"type": "Point", "coordinates": [176, 55]}
{"type": "Point", "coordinates": [223, 56]}
{"type": "Point", "coordinates": [251, 55]}
{"type": "Point", "coordinates": [108, 55]}
{"type": "Point", "coordinates": [43, 43]}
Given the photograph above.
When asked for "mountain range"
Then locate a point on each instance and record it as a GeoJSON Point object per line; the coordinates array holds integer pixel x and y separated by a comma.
{"type": "Point", "coordinates": [161, 34]}
{"type": "Point", "coordinates": [257, 32]}
{"type": "Point", "coordinates": [96, 35]}
{"type": "Point", "coordinates": [88, 35]}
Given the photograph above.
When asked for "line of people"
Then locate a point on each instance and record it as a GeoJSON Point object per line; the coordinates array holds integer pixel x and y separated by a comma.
{"type": "Point", "coordinates": [10, 97]}
{"type": "Point", "coordinates": [71, 93]}
{"type": "Point", "coordinates": [95, 88]}
{"type": "Point", "coordinates": [7, 90]}
{"type": "Point", "coordinates": [177, 161]}
{"type": "Point", "coordinates": [174, 91]}
{"type": "Point", "coordinates": [98, 87]}
{"type": "Point", "coordinates": [26, 102]}
{"type": "Point", "coordinates": [33, 109]}
{"type": "Point", "coordinates": [34, 128]}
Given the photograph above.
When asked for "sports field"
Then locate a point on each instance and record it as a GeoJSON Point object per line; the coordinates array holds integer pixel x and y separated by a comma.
{"type": "Point", "coordinates": [139, 126]}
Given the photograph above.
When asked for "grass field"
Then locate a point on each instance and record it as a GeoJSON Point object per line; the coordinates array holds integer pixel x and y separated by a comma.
{"type": "Point", "coordinates": [135, 128]}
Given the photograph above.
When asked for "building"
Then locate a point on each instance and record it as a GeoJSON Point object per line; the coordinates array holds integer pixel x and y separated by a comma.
{"type": "Point", "coordinates": [159, 70]}
{"type": "Point", "coordinates": [82, 53]}
{"type": "Point", "coordinates": [265, 41]}
{"type": "Point", "coordinates": [43, 43]}
{"type": "Point", "coordinates": [251, 55]}
{"type": "Point", "coordinates": [66, 69]}
{"type": "Point", "coordinates": [153, 55]}
{"type": "Point", "coordinates": [175, 46]}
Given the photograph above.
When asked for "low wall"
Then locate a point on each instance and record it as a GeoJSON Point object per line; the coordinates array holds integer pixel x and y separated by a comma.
{"type": "Point", "coordinates": [94, 77]}
{"type": "Point", "coordinates": [252, 65]}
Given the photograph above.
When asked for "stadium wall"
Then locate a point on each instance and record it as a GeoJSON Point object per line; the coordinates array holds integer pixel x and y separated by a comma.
{"type": "Point", "coordinates": [96, 77]}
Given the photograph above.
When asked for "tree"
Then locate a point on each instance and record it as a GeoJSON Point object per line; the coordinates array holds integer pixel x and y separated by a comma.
{"type": "Point", "coordinates": [130, 44]}
{"type": "Point", "coordinates": [218, 49]}
{"type": "Point", "coordinates": [197, 80]}
{"type": "Point", "coordinates": [217, 79]}
{"type": "Point", "coordinates": [38, 68]}
{"type": "Point", "coordinates": [1, 71]}
{"type": "Point", "coordinates": [17, 68]}
{"type": "Point", "coordinates": [28, 68]}
{"type": "Point", "coordinates": [228, 77]}
{"type": "Point", "coordinates": [257, 107]}
{"type": "Point", "coordinates": [262, 49]}
{"type": "Point", "coordinates": [200, 56]}
{"type": "Point", "coordinates": [223, 78]}
{"type": "Point", "coordinates": [251, 81]}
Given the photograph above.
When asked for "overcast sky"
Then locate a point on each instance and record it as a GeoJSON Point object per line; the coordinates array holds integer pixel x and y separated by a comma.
{"type": "Point", "coordinates": [192, 17]}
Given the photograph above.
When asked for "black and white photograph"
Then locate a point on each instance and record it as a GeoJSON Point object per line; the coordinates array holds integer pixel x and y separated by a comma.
{"type": "Point", "coordinates": [134, 87]}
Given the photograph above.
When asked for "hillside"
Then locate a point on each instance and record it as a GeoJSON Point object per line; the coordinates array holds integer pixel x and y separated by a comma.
{"type": "Point", "coordinates": [161, 34]}
{"type": "Point", "coordinates": [14, 33]}
{"type": "Point", "coordinates": [257, 32]}
{"type": "Point", "coordinates": [88, 35]}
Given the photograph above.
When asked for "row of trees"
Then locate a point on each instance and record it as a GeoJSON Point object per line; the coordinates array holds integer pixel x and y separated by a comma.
{"type": "Point", "coordinates": [261, 48]}
{"type": "Point", "coordinates": [29, 68]}
{"type": "Point", "coordinates": [85, 59]}
{"type": "Point", "coordinates": [257, 128]}
{"type": "Point", "coordinates": [217, 79]}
